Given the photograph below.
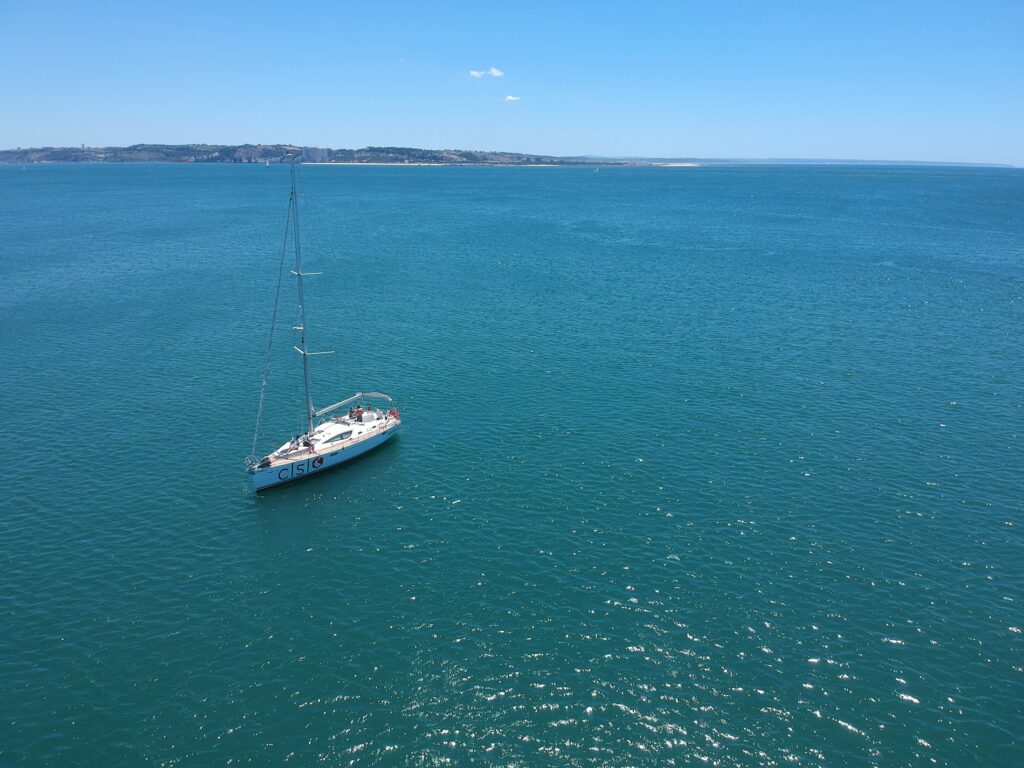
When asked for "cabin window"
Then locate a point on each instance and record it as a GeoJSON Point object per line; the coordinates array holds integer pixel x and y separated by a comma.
{"type": "Point", "coordinates": [342, 436]}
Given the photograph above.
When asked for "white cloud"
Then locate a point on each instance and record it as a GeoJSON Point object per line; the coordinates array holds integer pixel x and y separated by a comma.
{"type": "Point", "coordinates": [511, 98]}
{"type": "Point", "coordinates": [493, 72]}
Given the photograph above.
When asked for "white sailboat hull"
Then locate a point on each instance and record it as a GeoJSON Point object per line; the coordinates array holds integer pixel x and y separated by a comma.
{"type": "Point", "coordinates": [314, 462]}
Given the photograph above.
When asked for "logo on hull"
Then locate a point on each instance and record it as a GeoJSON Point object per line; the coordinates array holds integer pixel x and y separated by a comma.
{"type": "Point", "coordinates": [299, 468]}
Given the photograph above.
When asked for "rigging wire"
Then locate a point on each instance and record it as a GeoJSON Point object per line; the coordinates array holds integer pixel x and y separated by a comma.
{"type": "Point", "coordinates": [270, 340]}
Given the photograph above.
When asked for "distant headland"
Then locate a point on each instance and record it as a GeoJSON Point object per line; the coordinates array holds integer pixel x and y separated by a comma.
{"type": "Point", "coordinates": [283, 153]}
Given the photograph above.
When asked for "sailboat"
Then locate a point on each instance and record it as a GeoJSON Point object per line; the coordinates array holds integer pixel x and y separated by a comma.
{"type": "Point", "coordinates": [371, 419]}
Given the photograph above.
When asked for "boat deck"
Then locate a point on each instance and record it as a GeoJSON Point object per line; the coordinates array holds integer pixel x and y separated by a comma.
{"type": "Point", "coordinates": [323, 443]}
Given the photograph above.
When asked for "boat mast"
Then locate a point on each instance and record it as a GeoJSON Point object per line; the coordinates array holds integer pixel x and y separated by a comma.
{"type": "Point", "coordinates": [301, 328]}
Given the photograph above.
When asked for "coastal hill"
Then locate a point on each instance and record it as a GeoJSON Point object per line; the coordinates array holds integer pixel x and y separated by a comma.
{"type": "Point", "coordinates": [282, 153]}
{"type": "Point", "coordinates": [279, 153]}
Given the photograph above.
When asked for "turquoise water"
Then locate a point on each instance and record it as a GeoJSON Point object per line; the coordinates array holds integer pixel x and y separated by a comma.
{"type": "Point", "coordinates": [698, 465]}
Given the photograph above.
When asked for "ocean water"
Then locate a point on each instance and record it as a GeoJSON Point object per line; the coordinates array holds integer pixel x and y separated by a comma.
{"type": "Point", "coordinates": [699, 466]}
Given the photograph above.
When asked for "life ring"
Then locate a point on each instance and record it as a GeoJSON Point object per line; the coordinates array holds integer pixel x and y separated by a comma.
{"type": "Point", "coordinates": [393, 413]}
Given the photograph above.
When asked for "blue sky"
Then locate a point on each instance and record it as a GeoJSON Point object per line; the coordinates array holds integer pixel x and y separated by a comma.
{"type": "Point", "coordinates": [858, 80]}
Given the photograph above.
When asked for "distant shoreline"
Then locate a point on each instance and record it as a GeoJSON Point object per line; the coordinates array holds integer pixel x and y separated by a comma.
{"type": "Point", "coordinates": [270, 154]}
{"type": "Point", "coordinates": [262, 154]}
{"type": "Point", "coordinates": [485, 165]}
